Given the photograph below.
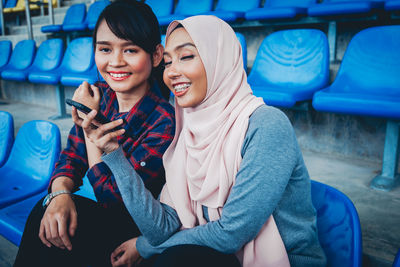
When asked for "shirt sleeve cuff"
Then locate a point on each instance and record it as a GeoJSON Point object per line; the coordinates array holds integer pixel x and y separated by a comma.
{"type": "Point", "coordinates": [145, 249]}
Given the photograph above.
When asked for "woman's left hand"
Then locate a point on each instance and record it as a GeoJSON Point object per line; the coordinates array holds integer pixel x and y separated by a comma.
{"type": "Point", "coordinates": [104, 137]}
{"type": "Point", "coordinates": [126, 254]}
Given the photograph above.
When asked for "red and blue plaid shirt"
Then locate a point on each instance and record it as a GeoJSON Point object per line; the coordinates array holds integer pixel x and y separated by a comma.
{"type": "Point", "coordinates": [149, 129]}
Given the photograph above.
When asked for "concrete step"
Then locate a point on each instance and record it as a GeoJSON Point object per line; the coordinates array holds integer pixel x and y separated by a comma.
{"type": "Point", "coordinates": [23, 30]}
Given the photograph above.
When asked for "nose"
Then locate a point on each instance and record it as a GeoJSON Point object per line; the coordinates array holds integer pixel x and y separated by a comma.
{"type": "Point", "coordinates": [172, 71]}
{"type": "Point", "coordinates": [117, 59]}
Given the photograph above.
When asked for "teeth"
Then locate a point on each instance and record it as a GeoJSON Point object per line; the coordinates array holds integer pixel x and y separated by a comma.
{"type": "Point", "coordinates": [119, 75]}
{"type": "Point", "coordinates": [180, 87]}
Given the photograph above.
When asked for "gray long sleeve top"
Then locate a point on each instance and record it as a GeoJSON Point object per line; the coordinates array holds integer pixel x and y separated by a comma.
{"type": "Point", "coordinates": [272, 179]}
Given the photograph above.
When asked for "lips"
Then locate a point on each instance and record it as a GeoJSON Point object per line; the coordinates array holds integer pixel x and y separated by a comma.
{"type": "Point", "coordinates": [119, 76]}
{"type": "Point", "coordinates": [181, 88]}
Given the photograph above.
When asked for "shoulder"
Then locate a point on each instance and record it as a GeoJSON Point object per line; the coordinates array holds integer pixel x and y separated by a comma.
{"type": "Point", "coordinates": [269, 119]}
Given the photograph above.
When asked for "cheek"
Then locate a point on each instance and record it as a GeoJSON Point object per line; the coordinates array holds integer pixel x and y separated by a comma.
{"type": "Point", "coordinates": [141, 64]}
{"type": "Point", "coordinates": [101, 62]}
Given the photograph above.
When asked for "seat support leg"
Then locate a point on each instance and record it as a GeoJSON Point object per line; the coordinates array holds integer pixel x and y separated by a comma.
{"type": "Point", "coordinates": [332, 40]}
{"type": "Point", "coordinates": [389, 177]}
{"type": "Point", "coordinates": [62, 113]}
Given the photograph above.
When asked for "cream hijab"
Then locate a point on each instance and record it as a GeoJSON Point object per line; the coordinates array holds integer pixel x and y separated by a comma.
{"type": "Point", "coordinates": [202, 162]}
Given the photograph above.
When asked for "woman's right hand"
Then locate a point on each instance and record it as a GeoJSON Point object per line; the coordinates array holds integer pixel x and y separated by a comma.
{"type": "Point", "coordinates": [59, 222]}
{"type": "Point", "coordinates": [88, 95]}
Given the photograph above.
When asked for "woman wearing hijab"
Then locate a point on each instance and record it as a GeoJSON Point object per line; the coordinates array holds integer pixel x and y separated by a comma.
{"type": "Point", "coordinates": [237, 190]}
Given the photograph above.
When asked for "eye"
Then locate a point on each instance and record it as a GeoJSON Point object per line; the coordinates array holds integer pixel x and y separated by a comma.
{"type": "Point", "coordinates": [187, 57]}
{"type": "Point", "coordinates": [104, 49]}
{"type": "Point", "coordinates": [167, 63]}
{"type": "Point", "coordinates": [131, 51]}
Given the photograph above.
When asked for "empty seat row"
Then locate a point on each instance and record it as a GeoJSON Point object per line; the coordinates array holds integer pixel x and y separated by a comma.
{"type": "Point", "coordinates": [26, 174]}
{"type": "Point", "coordinates": [19, 5]}
{"type": "Point", "coordinates": [50, 65]}
{"type": "Point", "coordinates": [76, 18]}
{"type": "Point", "coordinates": [292, 66]}
{"type": "Point", "coordinates": [232, 10]}
{"type": "Point", "coordinates": [26, 166]}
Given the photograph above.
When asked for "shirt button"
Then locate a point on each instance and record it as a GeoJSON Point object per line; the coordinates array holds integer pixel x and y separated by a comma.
{"type": "Point", "coordinates": [142, 163]}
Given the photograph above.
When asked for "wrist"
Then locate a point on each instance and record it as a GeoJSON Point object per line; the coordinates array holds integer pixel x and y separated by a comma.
{"type": "Point", "coordinates": [52, 195]}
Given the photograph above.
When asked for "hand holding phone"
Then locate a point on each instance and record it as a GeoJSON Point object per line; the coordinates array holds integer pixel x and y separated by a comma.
{"type": "Point", "coordinates": [81, 107]}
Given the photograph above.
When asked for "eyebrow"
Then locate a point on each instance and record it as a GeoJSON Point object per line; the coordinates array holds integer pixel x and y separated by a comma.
{"type": "Point", "coordinates": [127, 43]}
{"type": "Point", "coordinates": [180, 47]}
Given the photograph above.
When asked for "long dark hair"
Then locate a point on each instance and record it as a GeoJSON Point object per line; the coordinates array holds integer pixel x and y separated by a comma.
{"type": "Point", "coordinates": [134, 21]}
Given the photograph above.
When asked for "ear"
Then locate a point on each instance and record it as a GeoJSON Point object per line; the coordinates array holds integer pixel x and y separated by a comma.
{"type": "Point", "coordinates": [158, 55]}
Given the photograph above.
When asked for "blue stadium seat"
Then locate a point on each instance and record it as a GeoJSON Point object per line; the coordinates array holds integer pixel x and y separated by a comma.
{"type": "Point", "coordinates": [280, 9]}
{"type": "Point", "coordinates": [6, 135]}
{"type": "Point", "coordinates": [161, 8]}
{"type": "Point", "coordinates": [338, 224]}
{"type": "Point", "coordinates": [290, 66]}
{"type": "Point", "coordinates": [367, 84]}
{"type": "Point", "coordinates": [396, 262]}
{"type": "Point", "coordinates": [5, 53]}
{"type": "Point", "coordinates": [48, 57]}
{"type": "Point", "coordinates": [186, 8]}
{"type": "Point", "coordinates": [86, 190]}
{"type": "Point", "coordinates": [76, 67]}
{"type": "Point", "coordinates": [343, 7]}
{"type": "Point", "coordinates": [231, 10]}
{"type": "Point", "coordinates": [78, 59]}
{"type": "Point", "coordinates": [74, 20]}
{"type": "Point", "coordinates": [13, 217]}
{"type": "Point", "coordinates": [243, 43]}
{"type": "Point", "coordinates": [31, 162]}
{"type": "Point", "coordinates": [392, 5]}
{"type": "Point", "coordinates": [21, 58]}
{"type": "Point", "coordinates": [10, 4]}
{"type": "Point", "coordinates": [94, 12]}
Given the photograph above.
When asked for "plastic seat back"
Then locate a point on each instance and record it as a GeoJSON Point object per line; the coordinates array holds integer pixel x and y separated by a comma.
{"type": "Point", "coordinates": [76, 14]}
{"type": "Point", "coordinates": [292, 59]}
{"type": "Point", "coordinates": [79, 55]}
{"type": "Point", "coordinates": [161, 7]}
{"type": "Point", "coordinates": [22, 55]}
{"type": "Point", "coordinates": [243, 44]}
{"type": "Point", "coordinates": [338, 224]}
{"type": "Point", "coordinates": [6, 135]}
{"type": "Point", "coordinates": [10, 4]}
{"type": "Point", "coordinates": [36, 149]}
{"type": "Point", "coordinates": [5, 52]}
{"type": "Point", "coordinates": [94, 12]}
{"type": "Point", "coordinates": [189, 7]}
{"type": "Point", "coordinates": [371, 63]}
{"type": "Point", "coordinates": [289, 3]}
{"type": "Point", "coordinates": [237, 5]}
{"type": "Point", "coordinates": [396, 262]}
{"type": "Point", "coordinates": [49, 55]}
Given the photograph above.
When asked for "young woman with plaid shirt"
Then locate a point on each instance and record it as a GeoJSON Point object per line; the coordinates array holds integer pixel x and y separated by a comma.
{"type": "Point", "coordinates": [75, 231]}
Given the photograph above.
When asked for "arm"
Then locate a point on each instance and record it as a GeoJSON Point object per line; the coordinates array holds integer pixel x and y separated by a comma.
{"type": "Point", "coordinates": [269, 157]}
{"type": "Point", "coordinates": [155, 220]}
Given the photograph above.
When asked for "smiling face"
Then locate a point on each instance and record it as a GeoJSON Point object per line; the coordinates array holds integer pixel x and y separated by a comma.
{"type": "Point", "coordinates": [125, 66]}
{"type": "Point", "coordinates": [184, 72]}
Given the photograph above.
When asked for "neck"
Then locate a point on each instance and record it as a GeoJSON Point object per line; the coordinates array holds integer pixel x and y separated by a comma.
{"type": "Point", "coordinates": [126, 101]}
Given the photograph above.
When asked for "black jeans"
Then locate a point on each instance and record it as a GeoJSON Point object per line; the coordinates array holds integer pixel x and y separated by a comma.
{"type": "Point", "coordinates": [195, 256]}
{"type": "Point", "coordinates": [100, 230]}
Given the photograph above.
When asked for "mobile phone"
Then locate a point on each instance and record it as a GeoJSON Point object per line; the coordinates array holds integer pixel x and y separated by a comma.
{"type": "Point", "coordinates": [99, 117]}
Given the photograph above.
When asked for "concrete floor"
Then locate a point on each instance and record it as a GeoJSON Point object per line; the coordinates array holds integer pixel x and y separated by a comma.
{"type": "Point", "coordinates": [379, 212]}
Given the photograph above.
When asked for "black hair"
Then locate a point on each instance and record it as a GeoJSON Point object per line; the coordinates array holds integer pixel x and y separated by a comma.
{"type": "Point", "coordinates": [135, 21]}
